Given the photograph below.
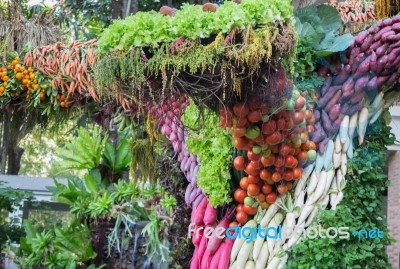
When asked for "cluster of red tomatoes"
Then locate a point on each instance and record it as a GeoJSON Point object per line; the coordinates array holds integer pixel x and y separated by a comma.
{"type": "Point", "coordinates": [277, 146]}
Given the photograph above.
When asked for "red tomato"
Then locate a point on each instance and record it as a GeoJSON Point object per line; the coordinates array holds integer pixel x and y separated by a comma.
{"type": "Point", "coordinates": [288, 125]}
{"type": "Point", "coordinates": [297, 172]}
{"type": "Point", "coordinates": [239, 163]}
{"type": "Point", "coordinates": [265, 174]}
{"type": "Point", "coordinates": [244, 182]}
{"type": "Point", "coordinates": [311, 120]}
{"type": "Point", "coordinates": [289, 185]}
{"type": "Point", "coordinates": [279, 162]}
{"type": "Point", "coordinates": [285, 150]}
{"type": "Point", "coordinates": [268, 161]}
{"type": "Point", "coordinates": [266, 188]}
{"type": "Point", "coordinates": [225, 113]}
{"type": "Point", "coordinates": [299, 103]}
{"type": "Point", "coordinates": [225, 123]}
{"type": "Point", "coordinates": [261, 197]}
{"type": "Point", "coordinates": [239, 208]}
{"type": "Point", "coordinates": [257, 164]}
{"type": "Point", "coordinates": [313, 146]}
{"type": "Point", "coordinates": [253, 179]}
{"type": "Point", "coordinates": [240, 110]}
{"type": "Point", "coordinates": [242, 217]}
{"type": "Point", "coordinates": [298, 117]}
{"type": "Point", "coordinates": [276, 177]}
{"type": "Point", "coordinates": [253, 157]}
{"type": "Point", "coordinates": [274, 138]}
{"type": "Point", "coordinates": [269, 127]}
{"type": "Point", "coordinates": [242, 122]}
{"type": "Point", "coordinates": [239, 132]}
{"type": "Point", "coordinates": [240, 142]}
{"type": "Point", "coordinates": [282, 189]}
{"type": "Point", "coordinates": [290, 161]}
{"type": "Point", "coordinates": [280, 124]}
{"type": "Point", "coordinates": [271, 198]}
{"type": "Point", "coordinates": [288, 175]}
{"type": "Point", "coordinates": [302, 156]}
{"type": "Point", "coordinates": [250, 210]}
{"type": "Point", "coordinates": [305, 145]}
{"type": "Point", "coordinates": [239, 195]}
{"type": "Point", "coordinates": [251, 170]}
{"type": "Point", "coordinates": [308, 114]}
{"type": "Point", "coordinates": [254, 116]}
{"type": "Point", "coordinates": [253, 190]}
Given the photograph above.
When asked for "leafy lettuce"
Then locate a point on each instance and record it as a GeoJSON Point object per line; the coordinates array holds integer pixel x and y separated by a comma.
{"type": "Point", "coordinates": [213, 146]}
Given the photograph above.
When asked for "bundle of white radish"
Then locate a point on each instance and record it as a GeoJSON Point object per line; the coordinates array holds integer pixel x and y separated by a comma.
{"type": "Point", "coordinates": [362, 125]}
{"type": "Point", "coordinates": [272, 238]}
{"type": "Point", "coordinates": [278, 260]}
{"type": "Point", "coordinates": [243, 242]}
{"type": "Point", "coordinates": [337, 197]}
{"type": "Point", "coordinates": [376, 108]}
{"type": "Point", "coordinates": [291, 211]}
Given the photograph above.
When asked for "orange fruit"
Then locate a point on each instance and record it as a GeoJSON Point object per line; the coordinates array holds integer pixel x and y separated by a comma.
{"type": "Point", "coordinates": [18, 76]}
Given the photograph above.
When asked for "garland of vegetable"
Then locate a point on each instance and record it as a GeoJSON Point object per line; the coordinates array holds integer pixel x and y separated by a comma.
{"type": "Point", "coordinates": [280, 178]}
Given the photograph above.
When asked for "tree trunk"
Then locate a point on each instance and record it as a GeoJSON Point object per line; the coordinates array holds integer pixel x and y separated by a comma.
{"type": "Point", "coordinates": [6, 132]}
{"type": "Point", "coordinates": [14, 159]}
{"type": "Point", "coordinates": [116, 9]}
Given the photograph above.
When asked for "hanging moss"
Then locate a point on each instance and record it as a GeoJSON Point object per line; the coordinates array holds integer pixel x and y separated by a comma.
{"type": "Point", "coordinates": [214, 71]}
{"type": "Point", "coordinates": [143, 165]}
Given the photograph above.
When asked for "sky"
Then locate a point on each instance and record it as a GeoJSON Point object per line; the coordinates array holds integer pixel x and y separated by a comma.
{"type": "Point", "coordinates": [46, 2]}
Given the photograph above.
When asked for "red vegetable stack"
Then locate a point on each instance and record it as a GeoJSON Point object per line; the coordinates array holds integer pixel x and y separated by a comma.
{"type": "Point", "coordinates": [276, 146]}
{"type": "Point", "coordinates": [209, 249]}
{"type": "Point", "coordinates": [372, 62]}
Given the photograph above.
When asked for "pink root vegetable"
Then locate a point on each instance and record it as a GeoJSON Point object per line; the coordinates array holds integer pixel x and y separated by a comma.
{"type": "Point", "coordinates": [200, 211]}
{"type": "Point", "coordinates": [225, 254]}
{"type": "Point", "coordinates": [215, 241]}
{"type": "Point", "coordinates": [210, 216]}
{"type": "Point", "coordinates": [206, 260]}
{"type": "Point", "coordinates": [216, 257]}
{"type": "Point", "coordinates": [202, 249]}
{"type": "Point", "coordinates": [197, 236]}
{"type": "Point", "coordinates": [194, 263]}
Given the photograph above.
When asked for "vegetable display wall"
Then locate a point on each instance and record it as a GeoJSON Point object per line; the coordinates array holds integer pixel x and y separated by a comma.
{"type": "Point", "coordinates": [216, 82]}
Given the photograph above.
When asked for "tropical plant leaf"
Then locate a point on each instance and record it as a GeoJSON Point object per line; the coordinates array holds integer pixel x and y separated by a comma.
{"type": "Point", "coordinates": [93, 180]}
{"type": "Point", "coordinates": [117, 159]}
{"type": "Point", "coordinates": [332, 43]}
{"type": "Point", "coordinates": [83, 152]}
